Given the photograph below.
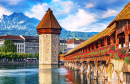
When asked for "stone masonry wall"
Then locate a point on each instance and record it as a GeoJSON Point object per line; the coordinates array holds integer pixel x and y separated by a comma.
{"type": "Point", "coordinates": [45, 49]}
{"type": "Point", "coordinates": [55, 48]}
{"type": "Point", "coordinates": [48, 48]}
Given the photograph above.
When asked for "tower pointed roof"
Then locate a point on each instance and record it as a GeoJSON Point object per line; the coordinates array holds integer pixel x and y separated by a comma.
{"type": "Point", "coordinates": [48, 21]}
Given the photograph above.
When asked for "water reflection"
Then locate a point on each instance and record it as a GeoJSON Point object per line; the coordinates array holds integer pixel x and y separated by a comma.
{"type": "Point", "coordinates": [18, 75]}
{"type": "Point", "coordinates": [46, 74]}
{"type": "Point", "coordinates": [52, 74]}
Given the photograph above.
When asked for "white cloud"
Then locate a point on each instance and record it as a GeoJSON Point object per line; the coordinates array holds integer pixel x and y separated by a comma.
{"type": "Point", "coordinates": [97, 27]}
{"type": "Point", "coordinates": [55, 0]}
{"type": "Point", "coordinates": [11, 2]}
{"type": "Point", "coordinates": [79, 21]}
{"type": "Point", "coordinates": [38, 11]}
{"type": "Point", "coordinates": [63, 7]}
{"type": "Point", "coordinates": [14, 2]}
{"type": "Point", "coordinates": [66, 6]}
{"type": "Point", "coordinates": [58, 7]}
{"type": "Point", "coordinates": [109, 13]}
{"type": "Point", "coordinates": [4, 11]}
{"type": "Point", "coordinates": [90, 5]}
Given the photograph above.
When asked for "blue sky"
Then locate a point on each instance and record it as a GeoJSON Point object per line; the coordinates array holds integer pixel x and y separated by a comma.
{"type": "Point", "coordinates": [74, 15]}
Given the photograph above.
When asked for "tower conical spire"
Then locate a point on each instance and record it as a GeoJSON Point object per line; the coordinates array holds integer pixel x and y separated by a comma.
{"type": "Point", "coordinates": [48, 21]}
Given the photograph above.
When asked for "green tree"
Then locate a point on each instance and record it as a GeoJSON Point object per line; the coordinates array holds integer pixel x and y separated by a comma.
{"type": "Point", "coordinates": [9, 55]}
{"type": "Point", "coordinates": [30, 55]}
{"type": "Point", "coordinates": [8, 46]}
{"type": "Point", "coordinates": [23, 55]}
{"type": "Point", "coordinates": [36, 55]}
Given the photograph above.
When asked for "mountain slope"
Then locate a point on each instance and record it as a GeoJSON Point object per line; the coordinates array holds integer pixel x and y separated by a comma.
{"type": "Point", "coordinates": [19, 24]}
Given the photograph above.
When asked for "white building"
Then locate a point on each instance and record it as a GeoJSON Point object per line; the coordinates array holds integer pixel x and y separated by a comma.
{"type": "Point", "coordinates": [17, 40]}
{"type": "Point", "coordinates": [24, 44]}
{"type": "Point", "coordinates": [73, 43]}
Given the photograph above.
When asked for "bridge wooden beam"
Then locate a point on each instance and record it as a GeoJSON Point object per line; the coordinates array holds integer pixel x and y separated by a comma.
{"type": "Point", "coordinates": [126, 36]}
{"type": "Point", "coordinates": [105, 41]}
{"type": "Point", "coordinates": [112, 39]}
{"type": "Point", "coordinates": [99, 43]}
{"type": "Point", "coordinates": [94, 45]}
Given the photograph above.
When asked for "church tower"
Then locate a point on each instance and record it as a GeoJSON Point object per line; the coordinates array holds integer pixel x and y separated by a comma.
{"type": "Point", "coordinates": [48, 30]}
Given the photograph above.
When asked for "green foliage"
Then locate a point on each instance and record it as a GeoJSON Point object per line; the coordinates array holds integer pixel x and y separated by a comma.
{"type": "Point", "coordinates": [36, 55]}
{"type": "Point", "coordinates": [77, 35]}
{"type": "Point", "coordinates": [8, 46]}
{"type": "Point", "coordinates": [127, 60]}
{"type": "Point", "coordinates": [30, 55]}
{"type": "Point", "coordinates": [60, 52]}
{"type": "Point", "coordinates": [15, 55]}
{"type": "Point", "coordinates": [2, 54]}
{"type": "Point", "coordinates": [113, 47]}
{"type": "Point", "coordinates": [116, 56]}
{"type": "Point", "coordinates": [9, 55]}
{"type": "Point", "coordinates": [122, 51]}
{"type": "Point", "coordinates": [23, 55]}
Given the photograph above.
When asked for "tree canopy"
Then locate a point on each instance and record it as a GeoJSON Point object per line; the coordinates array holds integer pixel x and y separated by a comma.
{"type": "Point", "coordinates": [8, 46]}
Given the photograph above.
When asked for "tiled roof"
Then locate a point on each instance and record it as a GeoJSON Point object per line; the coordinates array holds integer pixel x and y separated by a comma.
{"type": "Point", "coordinates": [61, 55]}
{"type": "Point", "coordinates": [48, 21]}
{"type": "Point", "coordinates": [31, 37]}
{"type": "Point", "coordinates": [74, 41]}
{"type": "Point", "coordinates": [11, 37]}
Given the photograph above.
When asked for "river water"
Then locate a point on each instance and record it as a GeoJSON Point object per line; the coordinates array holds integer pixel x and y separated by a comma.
{"type": "Point", "coordinates": [44, 74]}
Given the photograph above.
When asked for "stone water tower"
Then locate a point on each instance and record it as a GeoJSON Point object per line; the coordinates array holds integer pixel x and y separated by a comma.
{"type": "Point", "coordinates": [48, 30]}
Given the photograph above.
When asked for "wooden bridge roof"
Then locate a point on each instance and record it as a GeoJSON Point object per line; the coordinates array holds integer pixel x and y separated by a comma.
{"type": "Point", "coordinates": [124, 14]}
{"type": "Point", "coordinates": [48, 21]}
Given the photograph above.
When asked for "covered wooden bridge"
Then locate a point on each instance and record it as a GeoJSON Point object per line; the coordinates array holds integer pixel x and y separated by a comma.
{"type": "Point", "coordinates": [106, 53]}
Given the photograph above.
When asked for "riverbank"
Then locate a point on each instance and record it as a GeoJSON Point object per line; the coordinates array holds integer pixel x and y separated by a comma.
{"type": "Point", "coordinates": [16, 63]}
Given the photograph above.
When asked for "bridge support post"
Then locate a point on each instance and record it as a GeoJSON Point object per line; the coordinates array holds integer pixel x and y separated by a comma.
{"type": "Point", "coordinates": [110, 70]}
{"type": "Point", "coordinates": [66, 64]}
{"type": "Point", "coordinates": [72, 65]}
{"type": "Point", "coordinates": [96, 70]}
{"type": "Point", "coordinates": [106, 70]}
{"type": "Point", "coordinates": [69, 65]}
{"type": "Point", "coordinates": [124, 78]}
{"type": "Point", "coordinates": [88, 69]}
{"type": "Point", "coordinates": [81, 68]}
{"type": "Point", "coordinates": [75, 66]}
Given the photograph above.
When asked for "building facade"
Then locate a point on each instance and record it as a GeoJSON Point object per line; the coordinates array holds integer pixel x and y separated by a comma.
{"type": "Point", "coordinates": [17, 40]}
{"type": "Point", "coordinates": [24, 44]}
{"type": "Point", "coordinates": [73, 43]}
{"type": "Point", "coordinates": [31, 44]}
{"type": "Point", "coordinates": [63, 46]}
